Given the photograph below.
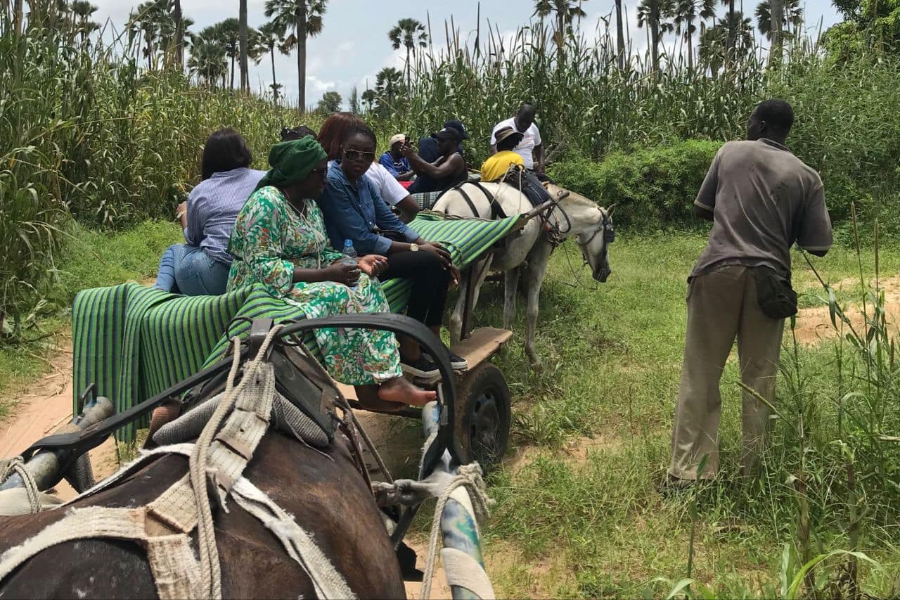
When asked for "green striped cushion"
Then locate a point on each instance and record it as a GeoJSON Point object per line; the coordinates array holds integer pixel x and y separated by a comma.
{"type": "Point", "coordinates": [135, 342]}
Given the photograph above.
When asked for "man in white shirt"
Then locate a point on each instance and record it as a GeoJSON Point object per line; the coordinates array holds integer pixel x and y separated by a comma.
{"type": "Point", "coordinates": [392, 192]}
{"type": "Point", "coordinates": [530, 148]}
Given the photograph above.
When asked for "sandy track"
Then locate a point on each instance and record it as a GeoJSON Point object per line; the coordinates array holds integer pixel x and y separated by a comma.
{"type": "Point", "coordinates": [45, 406]}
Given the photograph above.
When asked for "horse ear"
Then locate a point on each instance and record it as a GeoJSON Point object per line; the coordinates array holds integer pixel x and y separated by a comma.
{"type": "Point", "coordinates": [612, 208]}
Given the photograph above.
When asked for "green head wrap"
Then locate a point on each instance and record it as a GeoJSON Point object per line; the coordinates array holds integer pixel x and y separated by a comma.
{"type": "Point", "coordinates": [291, 162]}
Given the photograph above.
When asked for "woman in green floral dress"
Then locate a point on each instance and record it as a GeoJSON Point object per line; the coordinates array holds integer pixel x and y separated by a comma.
{"type": "Point", "coordinates": [279, 241]}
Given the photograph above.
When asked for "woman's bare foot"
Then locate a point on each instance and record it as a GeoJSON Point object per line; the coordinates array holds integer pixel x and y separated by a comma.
{"type": "Point", "coordinates": [402, 391]}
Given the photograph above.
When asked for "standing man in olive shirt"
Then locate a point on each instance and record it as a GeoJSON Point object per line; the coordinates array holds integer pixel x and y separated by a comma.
{"type": "Point", "coordinates": [761, 199]}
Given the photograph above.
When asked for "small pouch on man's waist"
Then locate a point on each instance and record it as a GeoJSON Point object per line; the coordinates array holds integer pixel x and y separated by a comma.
{"type": "Point", "coordinates": [776, 297]}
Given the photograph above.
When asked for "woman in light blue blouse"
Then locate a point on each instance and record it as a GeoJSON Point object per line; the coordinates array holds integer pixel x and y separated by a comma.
{"type": "Point", "coordinates": [200, 267]}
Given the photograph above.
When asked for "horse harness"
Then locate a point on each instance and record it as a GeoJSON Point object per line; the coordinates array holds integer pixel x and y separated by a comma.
{"type": "Point", "coordinates": [555, 234]}
{"type": "Point", "coordinates": [497, 211]}
{"type": "Point", "coordinates": [164, 526]}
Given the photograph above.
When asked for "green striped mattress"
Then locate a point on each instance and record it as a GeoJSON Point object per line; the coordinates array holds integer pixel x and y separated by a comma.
{"type": "Point", "coordinates": [135, 341]}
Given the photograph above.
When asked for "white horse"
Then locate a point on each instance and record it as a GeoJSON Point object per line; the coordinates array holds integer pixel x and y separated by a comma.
{"type": "Point", "coordinates": [572, 215]}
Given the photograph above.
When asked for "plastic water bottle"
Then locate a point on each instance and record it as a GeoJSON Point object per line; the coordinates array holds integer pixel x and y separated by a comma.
{"type": "Point", "coordinates": [349, 257]}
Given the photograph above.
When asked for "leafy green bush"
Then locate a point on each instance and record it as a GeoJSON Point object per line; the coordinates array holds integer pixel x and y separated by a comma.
{"type": "Point", "coordinates": [848, 129]}
{"type": "Point", "coordinates": [652, 189]}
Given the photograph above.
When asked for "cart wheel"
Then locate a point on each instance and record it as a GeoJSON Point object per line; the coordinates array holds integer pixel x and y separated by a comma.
{"type": "Point", "coordinates": [483, 418]}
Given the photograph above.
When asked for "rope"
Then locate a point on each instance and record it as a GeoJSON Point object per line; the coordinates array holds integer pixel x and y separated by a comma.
{"type": "Point", "coordinates": [17, 465]}
{"type": "Point", "coordinates": [210, 569]}
{"type": "Point", "coordinates": [468, 477]}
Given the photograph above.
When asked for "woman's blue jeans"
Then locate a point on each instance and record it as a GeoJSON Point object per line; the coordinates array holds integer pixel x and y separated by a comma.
{"type": "Point", "coordinates": [190, 271]}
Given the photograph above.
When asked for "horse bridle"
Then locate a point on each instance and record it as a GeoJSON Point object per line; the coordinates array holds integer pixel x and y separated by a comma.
{"type": "Point", "coordinates": [556, 234]}
{"type": "Point", "coordinates": [606, 226]}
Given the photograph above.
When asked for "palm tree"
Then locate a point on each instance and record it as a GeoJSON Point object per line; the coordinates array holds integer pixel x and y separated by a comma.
{"type": "Point", "coordinates": [268, 38]}
{"type": "Point", "coordinates": [564, 11]}
{"type": "Point", "coordinates": [145, 21]}
{"type": "Point", "coordinates": [157, 24]}
{"type": "Point", "coordinates": [620, 35]}
{"type": "Point", "coordinates": [729, 34]}
{"type": "Point", "coordinates": [82, 10]}
{"type": "Point", "coordinates": [18, 16]}
{"type": "Point", "coordinates": [715, 51]}
{"type": "Point", "coordinates": [408, 33]}
{"type": "Point", "coordinates": [650, 13]}
{"type": "Point", "coordinates": [179, 34]}
{"type": "Point", "coordinates": [793, 17]}
{"type": "Point", "coordinates": [388, 85]}
{"type": "Point", "coordinates": [304, 19]}
{"type": "Point", "coordinates": [169, 38]}
{"type": "Point", "coordinates": [229, 32]}
{"type": "Point", "coordinates": [208, 57]}
{"type": "Point", "coordinates": [684, 14]}
{"type": "Point", "coordinates": [243, 38]}
{"type": "Point", "coordinates": [369, 98]}
{"type": "Point", "coordinates": [353, 102]}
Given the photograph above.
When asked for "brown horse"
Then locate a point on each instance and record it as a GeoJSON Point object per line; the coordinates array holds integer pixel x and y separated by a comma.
{"type": "Point", "coordinates": [323, 490]}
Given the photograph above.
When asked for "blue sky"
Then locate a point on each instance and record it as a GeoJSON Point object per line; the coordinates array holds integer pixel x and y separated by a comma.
{"type": "Point", "coordinates": [354, 45]}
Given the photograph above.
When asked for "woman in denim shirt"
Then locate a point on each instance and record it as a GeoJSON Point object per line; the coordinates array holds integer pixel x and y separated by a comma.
{"type": "Point", "coordinates": [354, 211]}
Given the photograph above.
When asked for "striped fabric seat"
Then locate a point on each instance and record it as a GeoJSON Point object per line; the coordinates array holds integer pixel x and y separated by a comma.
{"type": "Point", "coordinates": [134, 342]}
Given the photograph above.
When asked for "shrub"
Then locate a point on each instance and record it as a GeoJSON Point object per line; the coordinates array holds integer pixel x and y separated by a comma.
{"type": "Point", "coordinates": [848, 128]}
{"type": "Point", "coordinates": [652, 189]}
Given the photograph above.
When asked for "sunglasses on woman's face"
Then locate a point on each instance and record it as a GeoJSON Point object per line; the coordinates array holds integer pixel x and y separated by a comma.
{"type": "Point", "coordinates": [357, 155]}
{"type": "Point", "coordinates": [323, 172]}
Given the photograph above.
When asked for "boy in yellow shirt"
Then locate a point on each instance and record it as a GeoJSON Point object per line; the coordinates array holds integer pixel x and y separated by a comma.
{"type": "Point", "coordinates": [497, 165]}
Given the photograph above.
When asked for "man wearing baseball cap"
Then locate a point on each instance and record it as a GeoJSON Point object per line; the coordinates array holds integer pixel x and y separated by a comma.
{"type": "Point", "coordinates": [445, 172]}
{"type": "Point", "coordinates": [428, 145]}
{"type": "Point", "coordinates": [394, 161]}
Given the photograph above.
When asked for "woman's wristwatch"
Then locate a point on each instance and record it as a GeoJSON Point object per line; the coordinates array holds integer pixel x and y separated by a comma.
{"type": "Point", "coordinates": [413, 247]}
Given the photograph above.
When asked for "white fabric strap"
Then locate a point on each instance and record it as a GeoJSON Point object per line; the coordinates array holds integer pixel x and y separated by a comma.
{"type": "Point", "coordinates": [19, 501]}
{"type": "Point", "coordinates": [298, 543]}
{"type": "Point", "coordinates": [464, 571]}
{"type": "Point", "coordinates": [133, 467]}
{"type": "Point", "coordinates": [78, 524]}
{"type": "Point", "coordinates": [175, 568]}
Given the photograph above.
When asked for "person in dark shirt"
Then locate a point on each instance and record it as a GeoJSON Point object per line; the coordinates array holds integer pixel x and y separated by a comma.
{"type": "Point", "coordinates": [761, 199]}
{"type": "Point", "coordinates": [445, 172]}
{"type": "Point", "coordinates": [428, 149]}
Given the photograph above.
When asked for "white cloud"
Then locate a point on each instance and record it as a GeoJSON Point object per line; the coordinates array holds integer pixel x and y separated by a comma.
{"type": "Point", "coordinates": [316, 87]}
{"type": "Point", "coordinates": [396, 59]}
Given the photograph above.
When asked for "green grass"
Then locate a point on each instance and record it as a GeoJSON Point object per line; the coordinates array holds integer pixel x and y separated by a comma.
{"type": "Point", "coordinates": [87, 259]}
{"type": "Point", "coordinates": [578, 513]}
{"type": "Point", "coordinates": [96, 259]}
{"type": "Point", "coordinates": [612, 356]}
